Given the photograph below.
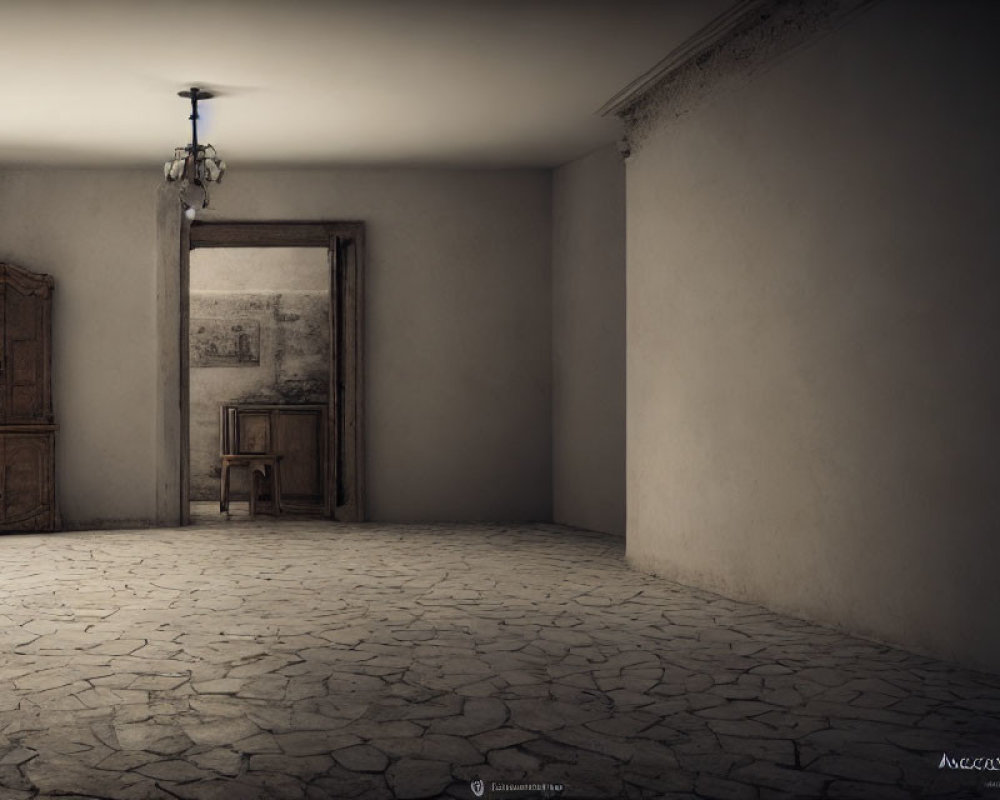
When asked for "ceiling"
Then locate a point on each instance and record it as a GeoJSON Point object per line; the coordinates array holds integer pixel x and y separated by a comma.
{"type": "Point", "coordinates": [304, 82]}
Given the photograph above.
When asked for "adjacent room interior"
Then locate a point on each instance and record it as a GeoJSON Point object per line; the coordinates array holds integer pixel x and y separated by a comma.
{"type": "Point", "coordinates": [259, 380]}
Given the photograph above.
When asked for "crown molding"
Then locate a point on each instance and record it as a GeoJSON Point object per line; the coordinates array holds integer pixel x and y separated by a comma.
{"type": "Point", "coordinates": [745, 39]}
{"type": "Point", "coordinates": [697, 43]}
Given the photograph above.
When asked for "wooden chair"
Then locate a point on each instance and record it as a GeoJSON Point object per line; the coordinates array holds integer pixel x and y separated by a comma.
{"type": "Point", "coordinates": [247, 441]}
{"type": "Point", "coordinates": [265, 433]}
{"type": "Point", "coordinates": [261, 467]}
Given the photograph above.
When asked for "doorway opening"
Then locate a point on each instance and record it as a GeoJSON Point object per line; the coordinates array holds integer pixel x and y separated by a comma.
{"type": "Point", "coordinates": [271, 368]}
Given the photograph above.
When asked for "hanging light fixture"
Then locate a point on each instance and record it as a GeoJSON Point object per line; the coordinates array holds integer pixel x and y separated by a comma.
{"type": "Point", "coordinates": [196, 165]}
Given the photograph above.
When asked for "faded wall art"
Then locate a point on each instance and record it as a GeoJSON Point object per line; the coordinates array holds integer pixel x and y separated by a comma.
{"type": "Point", "coordinates": [225, 343]}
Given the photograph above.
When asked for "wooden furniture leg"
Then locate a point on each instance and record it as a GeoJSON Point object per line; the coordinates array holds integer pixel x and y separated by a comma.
{"type": "Point", "coordinates": [254, 488]}
{"type": "Point", "coordinates": [262, 470]}
{"type": "Point", "coordinates": [276, 486]}
{"type": "Point", "coordinates": [224, 489]}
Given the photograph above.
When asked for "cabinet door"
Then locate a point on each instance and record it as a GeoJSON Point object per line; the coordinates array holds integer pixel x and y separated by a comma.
{"type": "Point", "coordinates": [25, 359]}
{"type": "Point", "coordinates": [3, 354]}
{"type": "Point", "coordinates": [300, 437]}
{"type": "Point", "coordinates": [26, 496]}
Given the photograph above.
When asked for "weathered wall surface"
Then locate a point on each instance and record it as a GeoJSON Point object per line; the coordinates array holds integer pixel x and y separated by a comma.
{"type": "Point", "coordinates": [458, 335]}
{"type": "Point", "coordinates": [588, 342]}
{"type": "Point", "coordinates": [279, 300]}
{"type": "Point", "coordinates": [813, 339]}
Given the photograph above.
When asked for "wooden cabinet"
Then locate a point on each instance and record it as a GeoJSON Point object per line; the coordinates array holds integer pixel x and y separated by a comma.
{"type": "Point", "coordinates": [27, 427]}
{"type": "Point", "coordinates": [296, 433]}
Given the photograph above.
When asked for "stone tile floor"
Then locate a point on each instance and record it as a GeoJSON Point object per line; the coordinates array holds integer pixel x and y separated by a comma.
{"type": "Point", "coordinates": [306, 660]}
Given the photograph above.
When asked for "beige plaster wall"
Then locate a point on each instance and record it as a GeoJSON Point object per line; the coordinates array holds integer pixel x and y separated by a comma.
{"type": "Point", "coordinates": [260, 269]}
{"type": "Point", "coordinates": [458, 331]}
{"type": "Point", "coordinates": [812, 334]}
{"type": "Point", "coordinates": [94, 232]}
{"type": "Point", "coordinates": [588, 342]}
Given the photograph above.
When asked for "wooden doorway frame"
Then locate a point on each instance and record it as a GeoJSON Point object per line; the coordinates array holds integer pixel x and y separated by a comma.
{"type": "Point", "coordinates": [345, 245]}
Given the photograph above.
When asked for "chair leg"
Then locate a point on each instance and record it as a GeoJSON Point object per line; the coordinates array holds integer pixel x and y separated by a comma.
{"type": "Point", "coordinates": [224, 490]}
{"type": "Point", "coordinates": [253, 492]}
{"type": "Point", "coordinates": [276, 488]}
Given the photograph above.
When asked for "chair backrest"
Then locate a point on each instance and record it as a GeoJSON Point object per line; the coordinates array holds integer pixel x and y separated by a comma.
{"type": "Point", "coordinates": [245, 431]}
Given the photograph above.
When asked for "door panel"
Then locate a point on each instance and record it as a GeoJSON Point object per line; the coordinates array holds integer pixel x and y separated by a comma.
{"type": "Point", "coordinates": [24, 371]}
{"type": "Point", "coordinates": [26, 500]}
{"type": "Point", "coordinates": [299, 438]}
{"type": "Point", "coordinates": [3, 366]}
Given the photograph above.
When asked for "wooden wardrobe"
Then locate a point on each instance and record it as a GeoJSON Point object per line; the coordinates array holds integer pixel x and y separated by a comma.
{"type": "Point", "coordinates": [27, 427]}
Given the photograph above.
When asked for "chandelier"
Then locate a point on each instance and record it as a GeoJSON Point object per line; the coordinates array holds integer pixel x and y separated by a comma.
{"type": "Point", "coordinates": [195, 165]}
